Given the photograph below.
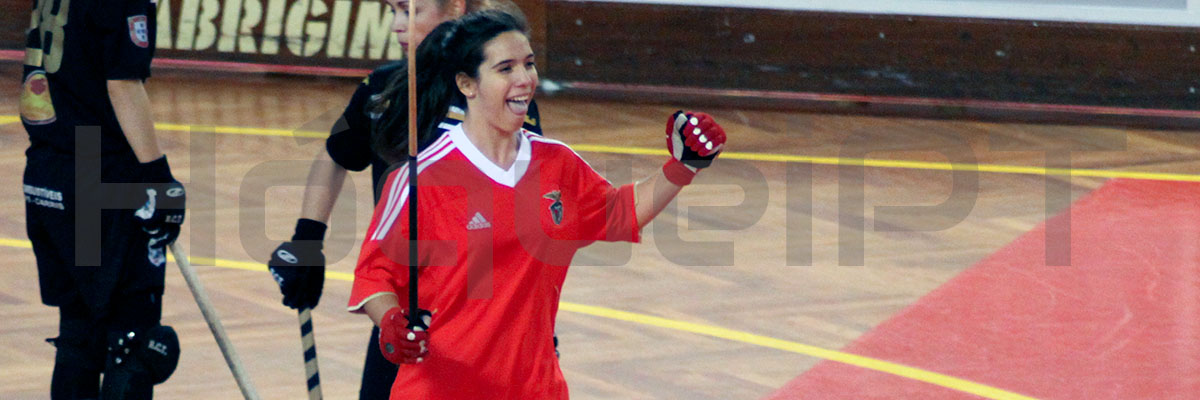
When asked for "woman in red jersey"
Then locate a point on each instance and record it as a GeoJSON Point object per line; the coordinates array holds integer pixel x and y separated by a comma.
{"type": "Point", "coordinates": [502, 211]}
{"type": "Point", "coordinates": [298, 265]}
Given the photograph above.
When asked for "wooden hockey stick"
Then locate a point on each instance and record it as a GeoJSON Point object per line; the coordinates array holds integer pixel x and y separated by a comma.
{"type": "Point", "coordinates": [310, 354]}
{"type": "Point", "coordinates": [214, 323]}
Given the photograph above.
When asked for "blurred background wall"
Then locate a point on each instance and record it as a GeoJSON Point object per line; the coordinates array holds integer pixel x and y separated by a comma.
{"type": "Point", "coordinates": [942, 57]}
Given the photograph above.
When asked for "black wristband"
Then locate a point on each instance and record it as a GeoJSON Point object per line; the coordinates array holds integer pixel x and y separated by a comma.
{"type": "Point", "coordinates": [157, 171]}
{"type": "Point", "coordinates": [308, 229]}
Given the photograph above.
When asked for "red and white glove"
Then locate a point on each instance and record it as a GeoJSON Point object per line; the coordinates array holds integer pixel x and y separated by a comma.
{"type": "Point", "coordinates": [694, 141]}
{"type": "Point", "coordinates": [402, 342]}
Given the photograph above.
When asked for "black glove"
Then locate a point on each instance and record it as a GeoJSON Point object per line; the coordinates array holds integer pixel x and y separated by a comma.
{"type": "Point", "coordinates": [299, 266]}
{"type": "Point", "coordinates": [162, 213]}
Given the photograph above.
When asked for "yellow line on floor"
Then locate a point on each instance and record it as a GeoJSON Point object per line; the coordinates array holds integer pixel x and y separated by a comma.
{"type": "Point", "coordinates": [254, 266]}
{"type": "Point", "coordinates": [8, 119]}
{"type": "Point", "coordinates": [921, 165]}
{"type": "Point", "coordinates": [925, 165]}
{"type": "Point", "coordinates": [768, 157]}
{"type": "Point", "coordinates": [946, 381]}
{"type": "Point", "coordinates": [23, 244]}
{"type": "Point", "coordinates": [236, 130]}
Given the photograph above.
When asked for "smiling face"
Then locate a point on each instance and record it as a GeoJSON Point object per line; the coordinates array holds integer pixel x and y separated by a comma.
{"type": "Point", "coordinates": [428, 14]}
{"type": "Point", "coordinates": [500, 93]}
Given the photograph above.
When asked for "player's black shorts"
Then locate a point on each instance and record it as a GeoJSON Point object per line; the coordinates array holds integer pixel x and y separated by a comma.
{"type": "Point", "coordinates": [84, 254]}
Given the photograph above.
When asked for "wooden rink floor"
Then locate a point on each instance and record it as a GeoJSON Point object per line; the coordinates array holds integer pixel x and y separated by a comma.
{"type": "Point", "coordinates": [824, 297]}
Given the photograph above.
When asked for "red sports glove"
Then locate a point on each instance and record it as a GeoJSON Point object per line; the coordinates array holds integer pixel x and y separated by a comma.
{"type": "Point", "coordinates": [402, 342]}
{"type": "Point", "coordinates": [694, 141]}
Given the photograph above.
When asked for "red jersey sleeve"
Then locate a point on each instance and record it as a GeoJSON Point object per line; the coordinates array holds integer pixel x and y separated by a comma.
{"type": "Point", "coordinates": [607, 213]}
{"type": "Point", "coordinates": [384, 255]}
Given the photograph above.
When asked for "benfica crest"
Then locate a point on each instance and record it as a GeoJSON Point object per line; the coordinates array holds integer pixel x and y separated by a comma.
{"type": "Point", "coordinates": [556, 209]}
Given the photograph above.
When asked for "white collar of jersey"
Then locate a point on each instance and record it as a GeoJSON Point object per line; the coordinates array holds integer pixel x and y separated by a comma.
{"type": "Point", "coordinates": [507, 177]}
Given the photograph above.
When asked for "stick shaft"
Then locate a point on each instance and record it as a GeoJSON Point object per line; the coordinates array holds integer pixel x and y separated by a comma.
{"type": "Point", "coordinates": [214, 323]}
{"type": "Point", "coordinates": [310, 354]}
{"type": "Point", "coordinates": [412, 170]}
{"type": "Point", "coordinates": [412, 242]}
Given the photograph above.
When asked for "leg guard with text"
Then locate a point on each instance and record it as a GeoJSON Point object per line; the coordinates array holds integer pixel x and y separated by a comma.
{"type": "Point", "coordinates": [139, 360]}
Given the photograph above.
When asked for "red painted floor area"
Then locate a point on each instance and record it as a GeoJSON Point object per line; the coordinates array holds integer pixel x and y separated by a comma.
{"type": "Point", "coordinates": [1122, 321]}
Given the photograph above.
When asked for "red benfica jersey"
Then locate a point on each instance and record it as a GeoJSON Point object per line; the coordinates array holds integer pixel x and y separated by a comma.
{"type": "Point", "coordinates": [494, 249]}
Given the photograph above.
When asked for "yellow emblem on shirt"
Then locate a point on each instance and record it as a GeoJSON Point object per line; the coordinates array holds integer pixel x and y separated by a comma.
{"type": "Point", "coordinates": [36, 106]}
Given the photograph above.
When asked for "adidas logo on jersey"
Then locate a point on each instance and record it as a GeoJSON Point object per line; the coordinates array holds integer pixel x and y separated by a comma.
{"type": "Point", "coordinates": [478, 222]}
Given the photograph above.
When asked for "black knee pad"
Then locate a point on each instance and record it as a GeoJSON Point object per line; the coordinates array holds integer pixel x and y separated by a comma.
{"type": "Point", "coordinates": [160, 352]}
{"type": "Point", "coordinates": [138, 360]}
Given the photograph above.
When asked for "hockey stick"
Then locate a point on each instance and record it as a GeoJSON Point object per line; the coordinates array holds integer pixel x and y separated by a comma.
{"type": "Point", "coordinates": [214, 323]}
{"type": "Point", "coordinates": [310, 354]}
{"type": "Point", "coordinates": [414, 317]}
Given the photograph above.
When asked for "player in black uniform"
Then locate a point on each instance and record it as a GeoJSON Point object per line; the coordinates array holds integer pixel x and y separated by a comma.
{"type": "Point", "coordinates": [101, 204]}
{"type": "Point", "coordinates": [298, 266]}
